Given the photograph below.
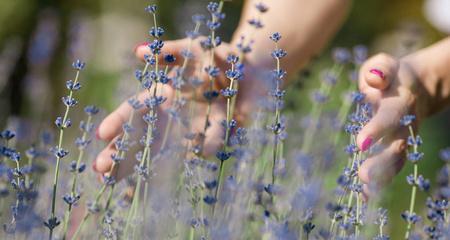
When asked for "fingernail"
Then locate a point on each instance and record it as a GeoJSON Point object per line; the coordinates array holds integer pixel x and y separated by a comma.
{"type": "Point", "coordinates": [366, 144]}
{"type": "Point", "coordinates": [140, 45]}
{"type": "Point", "coordinates": [377, 72]}
{"type": "Point", "coordinates": [94, 166]}
{"type": "Point", "coordinates": [97, 134]}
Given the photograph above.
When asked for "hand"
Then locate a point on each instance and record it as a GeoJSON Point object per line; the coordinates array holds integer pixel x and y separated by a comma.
{"type": "Point", "coordinates": [393, 88]}
{"type": "Point", "coordinates": [111, 127]}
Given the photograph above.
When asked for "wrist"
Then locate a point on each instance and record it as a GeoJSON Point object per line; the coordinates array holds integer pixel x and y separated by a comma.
{"type": "Point", "coordinates": [430, 66]}
{"type": "Point", "coordinates": [423, 78]}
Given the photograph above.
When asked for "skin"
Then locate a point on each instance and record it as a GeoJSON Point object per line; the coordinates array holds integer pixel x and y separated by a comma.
{"type": "Point", "coordinates": [309, 41]}
{"type": "Point", "coordinates": [419, 83]}
{"type": "Point", "coordinates": [416, 84]}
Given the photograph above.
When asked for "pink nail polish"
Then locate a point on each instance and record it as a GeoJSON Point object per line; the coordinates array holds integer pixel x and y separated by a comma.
{"type": "Point", "coordinates": [377, 72]}
{"type": "Point", "coordinates": [366, 144]}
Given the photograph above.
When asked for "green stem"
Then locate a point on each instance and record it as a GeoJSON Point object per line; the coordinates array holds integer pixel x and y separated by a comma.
{"type": "Point", "coordinates": [75, 178]}
{"type": "Point", "coordinates": [211, 79]}
{"type": "Point", "coordinates": [115, 166]}
{"type": "Point", "coordinates": [88, 213]}
{"type": "Point", "coordinates": [58, 159]}
{"type": "Point", "coordinates": [227, 136]}
{"type": "Point", "coordinates": [414, 187]}
{"type": "Point", "coordinates": [277, 123]}
{"type": "Point", "coordinates": [317, 109]}
{"type": "Point", "coordinates": [146, 158]}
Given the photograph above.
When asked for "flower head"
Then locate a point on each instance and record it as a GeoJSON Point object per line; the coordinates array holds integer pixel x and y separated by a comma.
{"type": "Point", "coordinates": [156, 32]}
{"type": "Point", "coordinates": [91, 110]}
{"type": "Point", "coordinates": [73, 86]}
{"type": "Point", "coordinates": [169, 58]}
{"type": "Point", "coordinates": [407, 120]}
{"type": "Point", "coordinates": [444, 154]}
{"type": "Point", "coordinates": [255, 23]}
{"type": "Point", "coordinates": [279, 53]}
{"type": "Point", "coordinates": [156, 46]}
{"type": "Point", "coordinates": [212, 71]}
{"type": "Point", "coordinates": [341, 55]}
{"type": "Point", "coordinates": [78, 65]}
{"type": "Point", "coordinates": [7, 134]}
{"type": "Point", "coordinates": [212, 7]}
{"type": "Point", "coordinates": [275, 37]}
{"type": "Point", "coordinates": [69, 101]}
{"type": "Point", "coordinates": [151, 9]}
{"type": "Point", "coordinates": [261, 7]}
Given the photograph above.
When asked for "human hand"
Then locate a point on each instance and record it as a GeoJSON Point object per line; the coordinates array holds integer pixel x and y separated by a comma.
{"type": "Point", "coordinates": [394, 89]}
{"type": "Point", "coordinates": [111, 127]}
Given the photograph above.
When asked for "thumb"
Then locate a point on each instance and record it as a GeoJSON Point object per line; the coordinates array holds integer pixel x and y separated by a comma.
{"type": "Point", "coordinates": [385, 120]}
{"type": "Point", "coordinates": [379, 71]}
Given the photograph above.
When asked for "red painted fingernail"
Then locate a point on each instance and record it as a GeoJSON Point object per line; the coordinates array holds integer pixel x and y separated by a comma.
{"type": "Point", "coordinates": [97, 134]}
{"type": "Point", "coordinates": [94, 166]}
{"type": "Point", "coordinates": [377, 72]}
{"type": "Point", "coordinates": [140, 45]}
{"type": "Point", "coordinates": [366, 144]}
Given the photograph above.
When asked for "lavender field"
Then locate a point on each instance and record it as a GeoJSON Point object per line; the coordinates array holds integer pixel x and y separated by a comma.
{"type": "Point", "coordinates": [272, 131]}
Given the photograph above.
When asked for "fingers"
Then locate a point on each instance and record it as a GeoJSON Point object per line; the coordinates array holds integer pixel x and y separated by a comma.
{"type": "Point", "coordinates": [385, 120]}
{"type": "Point", "coordinates": [103, 164]}
{"type": "Point", "coordinates": [379, 71]}
{"type": "Point", "coordinates": [213, 137]}
{"type": "Point", "coordinates": [111, 126]}
{"type": "Point", "coordinates": [175, 48]}
{"type": "Point", "coordinates": [379, 169]}
{"type": "Point", "coordinates": [111, 130]}
{"type": "Point", "coordinates": [376, 76]}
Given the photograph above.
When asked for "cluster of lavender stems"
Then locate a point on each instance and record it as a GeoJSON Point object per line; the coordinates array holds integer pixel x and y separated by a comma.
{"type": "Point", "coordinates": [415, 180]}
{"type": "Point", "coordinates": [122, 147]}
{"type": "Point", "coordinates": [18, 183]}
{"type": "Point", "coordinates": [234, 75]}
{"type": "Point", "coordinates": [320, 97]}
{"type": "Point", "coordinates": [213, 41]}
{"type": "Point", "coordinates": [152, 103]}
{"type": "Point", "coordinates": [277, 94]}
{"type": "Point", "coordinates": [359, 56]}
{"type": "Point", "coordinates": [77, 167]}
{"type": "Point", "coordinates": [178, 80]}
{"type": "Point", "coordinates": [381, 221]}
{"type": "Point", "coordinates": [344, 211]}
{"type": "Point", "coordinates": [63, 123]}
{"type": "Point", "coordinates": [218, 200]}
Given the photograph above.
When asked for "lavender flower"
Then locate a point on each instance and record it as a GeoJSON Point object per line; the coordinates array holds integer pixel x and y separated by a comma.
{"type": "Point", "coordinates": [69, 101]}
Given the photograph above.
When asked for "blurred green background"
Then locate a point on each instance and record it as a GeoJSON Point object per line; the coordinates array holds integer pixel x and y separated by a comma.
{"type": "Point", "coordinates": [39, 39]}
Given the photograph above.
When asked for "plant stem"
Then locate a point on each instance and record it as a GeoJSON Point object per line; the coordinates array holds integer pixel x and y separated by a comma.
{"type": "Point", "coordinates": [414, 187]}
{"type": "Point", "coordinates": [88, 213]}
{"type": "Point", "coordinates": [115, 166]}
{"type": "Point", "coordinates": [211, 79]}
{"type": "Point", "coordinates": [58, 159]}
{"type": "Point", "coordinates": [226, 139]}
{"type": "Point", "coordinates": [317, 109]}
{"type": "Point", "coordinates": [75, 177]}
